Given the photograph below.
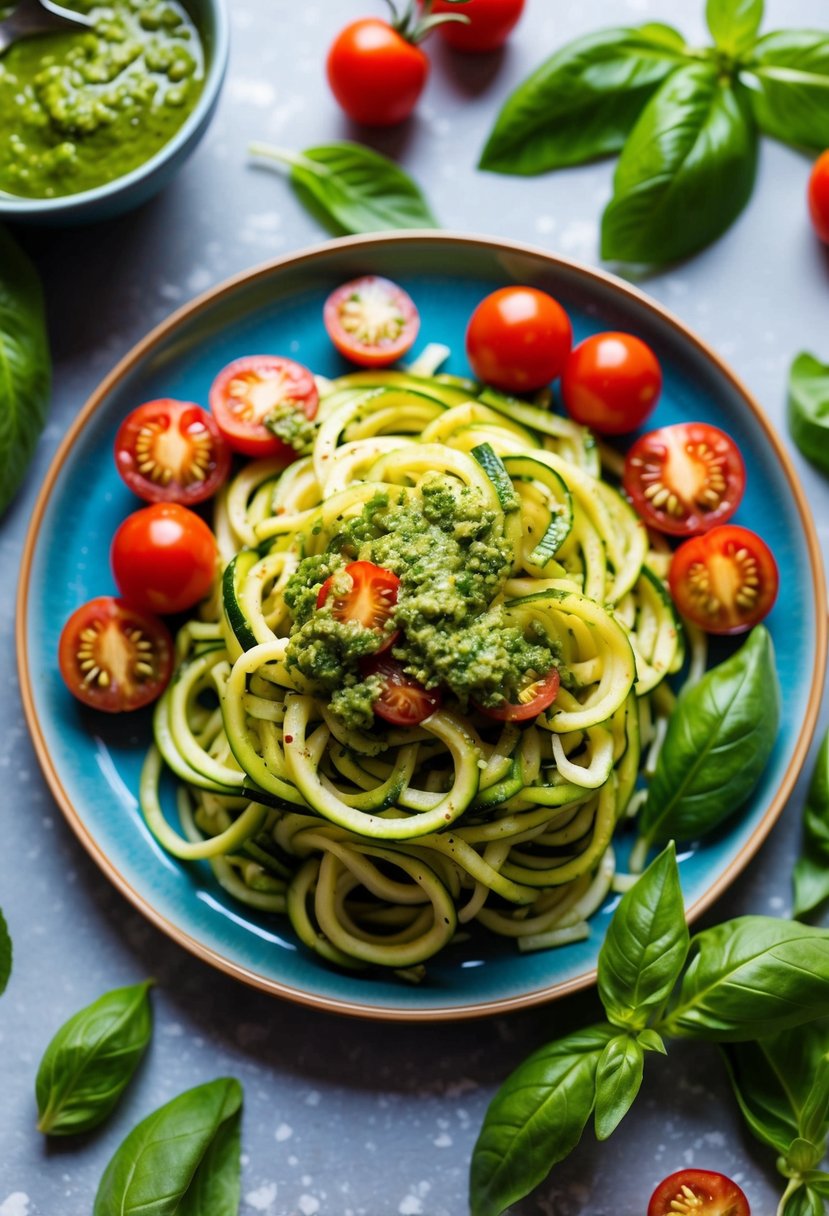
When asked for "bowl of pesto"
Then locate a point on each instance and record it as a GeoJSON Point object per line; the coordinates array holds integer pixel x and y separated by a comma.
{"type": "Point", "coordinates": [94, 121]}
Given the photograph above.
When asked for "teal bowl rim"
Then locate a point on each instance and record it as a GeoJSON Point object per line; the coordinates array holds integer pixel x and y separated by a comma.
{"type": "Point", "coordinates": [365, 1008]}
{"type": "Point", "coordinates": [13, 206]}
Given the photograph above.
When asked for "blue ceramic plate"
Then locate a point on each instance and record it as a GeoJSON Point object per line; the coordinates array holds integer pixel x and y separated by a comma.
{"type": "Point", "coordinates": [92, 762]}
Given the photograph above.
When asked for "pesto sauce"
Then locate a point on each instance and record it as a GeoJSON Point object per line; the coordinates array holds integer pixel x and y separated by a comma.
{"type": "Point", "coordinates": [79, 109]}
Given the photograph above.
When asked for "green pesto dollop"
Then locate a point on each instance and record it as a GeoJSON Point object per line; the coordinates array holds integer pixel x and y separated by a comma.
{"type": "Point", "coordinates": [291, 426]}
{"type": "Point", "coordinates": [448, 550]}
{"type": "Point", "coordinates": [79, 109]}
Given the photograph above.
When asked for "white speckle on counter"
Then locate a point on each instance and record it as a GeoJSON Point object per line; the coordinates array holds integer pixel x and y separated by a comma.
{"type": "Point", "coordinates": [17, 1204]}
{"type": "Point", "coordinates": [283, 1132]}
{"type": "Point", "coordinates": [199, 279]}
{"type": "Point", "coordinates": [169, 291]}
{"type": "Point", "coordinates": [444, 1140]}
{"type": "Point", "coordinates": [313, 1098]}
{"type": "Point", "coordinates": [546, 224]}
{"type": "Point", "coordinates": [410, 1206]}
{"type": "Point", "coordinates": [262, 1198]}
{"type": "Point", "coordinates": [174, 1029]}
{"type": "Point", "coordinates": [581, 237]}
{"type": "Point", "coordinates": [252, 92]}
{"type": "Point", "coordinates": [308, 1205]}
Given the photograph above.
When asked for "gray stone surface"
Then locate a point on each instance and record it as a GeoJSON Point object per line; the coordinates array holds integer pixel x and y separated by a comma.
{"type": "Point", "coordinates": [344, 1118]}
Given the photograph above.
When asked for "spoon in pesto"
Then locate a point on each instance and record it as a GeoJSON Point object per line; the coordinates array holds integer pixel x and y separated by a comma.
{"type": "Point", "coordinates": [32, 17]}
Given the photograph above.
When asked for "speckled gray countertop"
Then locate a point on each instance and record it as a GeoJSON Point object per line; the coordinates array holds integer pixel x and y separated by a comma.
{"type": "Point", "coordinates": [345, 1118]}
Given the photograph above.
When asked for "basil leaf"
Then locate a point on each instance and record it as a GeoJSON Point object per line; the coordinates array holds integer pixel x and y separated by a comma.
{"type": "Point", "coordinates": [5, 953]}
{"type": "Point", "coordinates": [811, 870]}
{"type": "Point", "coordinates": [645, 947]}
{"type": "Point", "coordinates": [25, 365]}
{"type": "Point", "coordinates": [651, 1041]}
{"type": "Point", "coordinates": [791, 68]}
{"type": "Point", "coordinates": [818, 1182]}
{"type": "Point", "coordinates": [804, 1155]}
{"type": "Point", "coordinates": [734, 23]}
{"type": "Point", "coordinates": [351, 188]}
{"type": "Point", "coordinates": [535, 1119]}
{"type": "Point", "coordinates": [582, 102]}
{"type": "Point", "coordinates": [91, 1060]}
{"type": "Point", "coordinates": [814, 1117]}
{"type": "Point", "coordinates": [173, 1151]}
{"type": "Point", "coordinates": [773, 1080]}
{"type": "Point", "coordinates": [751, 977]}
{"type": "Point", "coordinates": [808, 412]}
{"type": "Point", "coordinates": [686, 171]}
{"type": "Point", "coordinates": [618, 1078]}
{"type": "Point", "coordinates": [718, 741]}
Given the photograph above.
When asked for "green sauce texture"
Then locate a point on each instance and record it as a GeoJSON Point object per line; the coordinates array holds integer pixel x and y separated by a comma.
{"type": "Point", "coordinates": [78, 110]}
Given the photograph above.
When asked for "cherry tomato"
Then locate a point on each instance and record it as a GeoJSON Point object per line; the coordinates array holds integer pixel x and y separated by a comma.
{"type": "Point", "coordinates": [370, 601]}
{"type": "Point", "coordinates": [725, 581]}
{"type": "Point", "coordinates": [490, 23]}
{"type": "Point", "coordinates": [113, 657]}
{"type": "Point", "coordinates": [819, 196]}
{"type": "Point", "coordinates": [371, 321]}
{"type": "Point", "coordinates": [164, 558]}
{"type": "Point", "coordinates": [171, 451]}
{"type": "Point", "coordinates": [248, 389]}
{"type": "Point", "coordinates": [698, 1193]}
{"type": "Point", "coordinates": [518, 339]}
{"type": "Point", "coordinates": [402, 701]}
{"type": "Point", "coordinates": [685, 478]}
{"type": "Point", "coordinates": [611, 383]}
{"type": "Point", "coordinates": [532, 700]}
{"type": "Point", "coordinates": [375, 73]}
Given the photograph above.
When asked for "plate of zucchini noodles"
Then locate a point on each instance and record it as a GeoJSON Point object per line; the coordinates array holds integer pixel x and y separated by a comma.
{"type": "Point", "coordinates": [388, 759]}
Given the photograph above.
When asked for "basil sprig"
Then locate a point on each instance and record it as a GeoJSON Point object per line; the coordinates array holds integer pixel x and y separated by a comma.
{"type": "Point", "coordinates": [182, 1160]}
{"type": "Point", "coordinates": [91, 1060]}
{"type": "Point", "coordinates": [809, 403]}
{"type": "Point", "coordinates": [739, 982]}
{"type": "Point", "coordinates": [351, 188]}
{"type": "Point", "coordinates": [718, 742]}
{"type": "Point", "coordinates": [685, 120]}
{"type": "Point", "coordinates": [5, 953]}
{"type": "Point", "coordinates": [811, 871]}
{"type": "Point", "coordinates": [25, 365]}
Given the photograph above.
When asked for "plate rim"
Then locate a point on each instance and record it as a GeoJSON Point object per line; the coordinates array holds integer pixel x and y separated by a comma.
{"type": "Point", "coordinates": [411, 238]}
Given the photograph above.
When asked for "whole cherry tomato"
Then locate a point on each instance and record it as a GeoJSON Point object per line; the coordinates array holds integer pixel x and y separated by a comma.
{"type": "Point", "coordinates": [819, 196]}
{"type": "Point", "coordinates": [376, 73]}
{"type": "Point", "coordinates": [164, 558]}
{"type": "Point", "coordinates": [489, 23]}
{"type": "Point", "coordinates": [611, 383]}
{"type": "Point", "coordinates": [518, 339]}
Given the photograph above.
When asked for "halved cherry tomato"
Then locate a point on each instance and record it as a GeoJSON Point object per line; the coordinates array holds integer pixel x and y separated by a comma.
{"type": "Point", "coordinates": [818, 196]}
{"type": "Point", "coordinates": [375, 73]}
{"type": "Point", "coordinates": [171, 451]}
{"type": "Point", "coordinates": [371, 321]}
{"type": "Point", "coordinates": [518, 339]}
{"type": "Point", "coordinates": [164, 558]}
{"type": "Point", "coordinates": [685, 478]}
{"type": "Point", "coordinates": [370, 601]}
{"type": "Point", "coordinates": [113, 657]}
{"type": "Point", "coordinates": [533, 699]}
{"type": "Point", "coordinates": [490, 23]}
{"type": "Point", "coordinates": [611, 383]}
{"type": "Point", "coordinates": [402, 701]}
{"type": "Point", "coordinates": [698, 1193]}
{"type": "Point", "coordinates": [246, 391]}
{"type": "Point", "coordinates": [724, 581]}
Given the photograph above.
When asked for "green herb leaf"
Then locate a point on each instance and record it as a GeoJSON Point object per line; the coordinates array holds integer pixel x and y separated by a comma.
{"type": "Point", "coordinates": [811, 870]}
{"type": "Point", "coordinates": [802, 1201]}
{"type": "Point", "coordinates": [718, 741]}
{"type": "Point", "coordinates": [91, 1060]}
{"type": "Point", "coordinates": [809, 406]}
{"type": "Point", "coordinates": [535, 1119]}
{"type": "Point", "coordinates": [686, 171]}
{"type": "Point", "coordinates": [618, 1078]}
{"type": "Point", "coordinates": [25, 365]}
{"type": "Point", "coordinates": [645, 947]}
{"type": "Point", "coordinates": [734, 23]}
{"type": "Point", "coordinates": [351, 188]}
{"type": "Point", "coordinates": [751, 977]}
{"type": "Point", "coordinates": [818, 1182]}
{"type": "Point", "coordinates": [5, 953]}
{"type": "Point", "coordinates": [773, 1080]}
{"type": "Point", "coordinates": [651, 1041]}
{"type": "Point", "coordinates": [791, 68]}
{"type": "Point", "coordinates": [814, 1117]}
{"type": "Point", "coordinates": [182, 1160]}
{"type": "Point", "coordinates": [582, 102]}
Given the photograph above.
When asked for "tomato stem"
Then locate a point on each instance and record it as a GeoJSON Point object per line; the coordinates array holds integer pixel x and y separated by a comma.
{"type": "Point", "coordinates": [413, 28]}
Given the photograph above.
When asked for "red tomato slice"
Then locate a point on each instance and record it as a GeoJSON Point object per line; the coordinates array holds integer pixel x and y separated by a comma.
{"type": "Point", "coordinates": [371, 321]}
{"type": "Point", "coordinates": [113, 657]}
{"type": "Point", "coordinates": [402, 702]}
{"type": "Point", "coordinates": [724, 581]}
{"type": "Point", "coordinates": [685, 478]}
{"type": "Point", "coordinates": [698, 1193]}
{"type": "Point", "coordinates": [164, 558]}
{"type": "Point", "coordinates": [532, 700]}
{"type": "Point", "coordinates": [370, 601]}
{"type": "Point", "coordinates": [171, 451]}
{"type": "Point", "coordinates": [246, 391]}
{"type": "Point", "coordinates": [518, 339]}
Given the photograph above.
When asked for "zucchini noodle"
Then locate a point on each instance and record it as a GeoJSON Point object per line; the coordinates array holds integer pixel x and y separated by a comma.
{"type": "Point", "coordinates": [381, 843]}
